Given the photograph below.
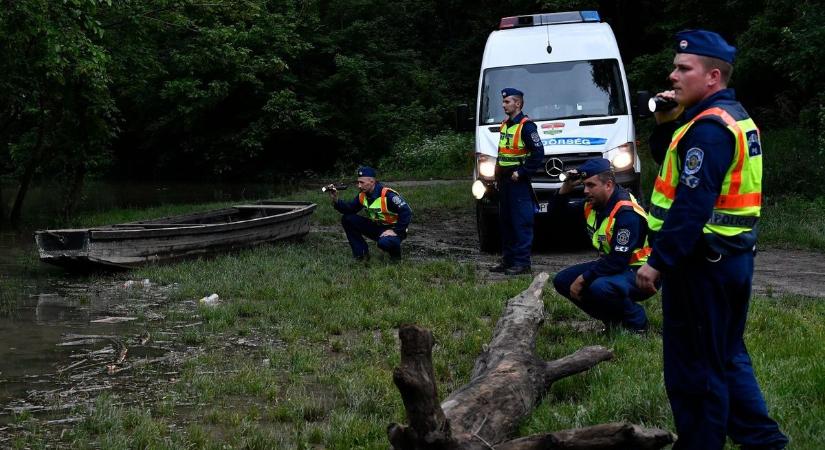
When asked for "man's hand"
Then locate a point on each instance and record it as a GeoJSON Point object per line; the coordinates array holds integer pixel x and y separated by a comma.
{"type": "Point", "coordinates": [514, 176]}
{"type": "Point", "coordinates": [570, 182]}
{"type": "Point", "coordinates": [671, 114]}
{"type": "Point", "coordinates": [388, 233]}
{"type": "Point", "coordinates": [646, 278]}
{"type": "Point", "coordinates": [333, 193]}
{"type": "Point", "coordinates": [577, 287]}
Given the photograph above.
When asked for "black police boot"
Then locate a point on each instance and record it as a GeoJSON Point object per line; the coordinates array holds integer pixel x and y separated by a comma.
{"type": "Point", "coordinates": [498, 268]}
{"type": "Point", "coordinates": [517, 270]}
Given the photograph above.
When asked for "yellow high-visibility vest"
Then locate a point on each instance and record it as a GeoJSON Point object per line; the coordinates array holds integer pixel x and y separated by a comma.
{"type": "Point", "coordinates": [511, 150]}
{"type": "Point", "coordinates": [739, 203]}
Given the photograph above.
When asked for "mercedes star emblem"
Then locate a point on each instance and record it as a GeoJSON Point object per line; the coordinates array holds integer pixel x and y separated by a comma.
{"type": "Point", "coordinates": [554, 167]}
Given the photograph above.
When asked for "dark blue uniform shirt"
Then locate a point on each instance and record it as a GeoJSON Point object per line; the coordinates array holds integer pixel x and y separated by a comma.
{"type": "Point", "coordinates": [626, 222]}
{"type": "Point", "coordinates": [532, 143]}
{"type": "Point", "coordinates": [681, 234]}
{"type": "Point", "coordinates": [395, 203]}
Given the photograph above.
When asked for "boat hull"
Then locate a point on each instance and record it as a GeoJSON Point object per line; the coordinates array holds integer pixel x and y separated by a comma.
{"type": "Point", "coordinates": [138, 243]}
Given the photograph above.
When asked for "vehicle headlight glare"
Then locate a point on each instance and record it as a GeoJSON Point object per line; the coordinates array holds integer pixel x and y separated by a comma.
{"type": "Point", "coordinates": [622, 160]}
{"type": "Point", "coordinates": [487, 167]}
{"type": "Point", "coordinates": [479, 189]}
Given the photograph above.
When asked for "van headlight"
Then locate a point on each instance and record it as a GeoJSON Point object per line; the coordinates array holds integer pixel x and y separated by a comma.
{"type": "Point", "coordinates": [486, 166]}
{"type": "Point", "coordinates": [479, 189]}
{"type": "Point", "coordinates": [622, 156]}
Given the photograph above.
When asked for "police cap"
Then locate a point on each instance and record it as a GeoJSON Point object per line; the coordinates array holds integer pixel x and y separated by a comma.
{"type": "Point", "coordinates": [705, 43]}
{"type": "Point", "coordinates": [365, 171]}
{"type": "Point", "coordinates": [593, 167]}
{"type": "Point", "coordinates": [506, 92]}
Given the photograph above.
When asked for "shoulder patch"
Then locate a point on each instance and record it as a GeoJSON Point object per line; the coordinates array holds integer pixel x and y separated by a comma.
{"type": "Point", "coordinates": [690, 181]}
{"type": "Point", "coordinates": [397, 200]}
{"type": "Point", "coordinates": [623, 236]}
{"type": "Point", "coordinates": [535, 136]}
{"type": "Point", "coordinates": [754, 146]}
{"type": "Point", "coordinates": [693, 160]}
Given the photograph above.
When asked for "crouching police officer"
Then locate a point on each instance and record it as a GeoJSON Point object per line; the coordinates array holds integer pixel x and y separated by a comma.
{"type": "Point", "coordinates": [520, 153]}
{"type": "Point", "coordinates": [388, 216]}
{"type": "Point", "coordinates": [606, 288]}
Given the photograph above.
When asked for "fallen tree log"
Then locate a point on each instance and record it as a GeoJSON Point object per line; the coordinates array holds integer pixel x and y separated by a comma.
{"type": "Point", "coordinates": [507, 382]}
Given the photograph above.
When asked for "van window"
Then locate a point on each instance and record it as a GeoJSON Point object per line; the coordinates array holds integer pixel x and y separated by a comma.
{"type": "Point", "coordinates": [554, 91]}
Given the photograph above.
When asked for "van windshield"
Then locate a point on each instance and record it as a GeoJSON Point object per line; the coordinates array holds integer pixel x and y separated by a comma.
{"type": "Point", "coordinates": [554, 91]}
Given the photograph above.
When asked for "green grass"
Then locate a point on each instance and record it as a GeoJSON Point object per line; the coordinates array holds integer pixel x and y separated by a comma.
{"type": "Point", "coordinates": [320, 374]}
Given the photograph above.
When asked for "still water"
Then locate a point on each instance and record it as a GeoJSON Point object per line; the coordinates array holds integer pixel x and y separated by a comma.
{"type": "Point", "coordinates": [40, 305]}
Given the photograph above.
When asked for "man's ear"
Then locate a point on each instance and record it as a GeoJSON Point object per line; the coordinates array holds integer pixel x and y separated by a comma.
{"type": "Point", "coordinates": [714, 77]}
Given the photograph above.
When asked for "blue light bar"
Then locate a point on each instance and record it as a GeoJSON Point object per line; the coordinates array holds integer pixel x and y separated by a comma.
{"type": "Point", "coordinates": [591, 16]}
{"type": "Point", "coordinates": [533, 20]}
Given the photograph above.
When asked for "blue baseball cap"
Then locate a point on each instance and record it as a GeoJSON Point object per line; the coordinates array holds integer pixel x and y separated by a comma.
{"type": "Point", "coordinates": [506, 92]}
{"type": "Point", "coordinates": [365, 171]}
{"type": "Point", "coordinates": [593, 167]}
{"type": "Point", "coordinates": [705, 43]}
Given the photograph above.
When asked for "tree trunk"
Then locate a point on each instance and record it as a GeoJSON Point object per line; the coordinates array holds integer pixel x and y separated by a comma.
{"type": "Point", "coordinates": [74, 191]}
{"type": "Point", "coordinates": [507, 382]}
{"type": "Point", "coordinates": [30, 169]}
{"type": "Point", "coordinates": [26, 179]}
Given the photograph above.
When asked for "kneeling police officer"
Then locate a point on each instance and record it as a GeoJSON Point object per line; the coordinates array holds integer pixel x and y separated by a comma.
{"type": "Point", "coordinates": [606, 288]}
{"type": "Point", "coordinates": [388, 216]}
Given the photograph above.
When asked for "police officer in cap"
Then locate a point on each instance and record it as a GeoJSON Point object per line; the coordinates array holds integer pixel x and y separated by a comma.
{"type": "Point", "coordinates": [520, 153]}
{"type": "Point", "coordinates": [388, 216]}
{"type": "Point", "coordinates": [704, 210]}
{"type": "Point", "coordinates": [606, 288]}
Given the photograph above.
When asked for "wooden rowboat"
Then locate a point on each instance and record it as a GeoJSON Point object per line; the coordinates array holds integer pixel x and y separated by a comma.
{"type": "Point", "coordinates": [132, 244]}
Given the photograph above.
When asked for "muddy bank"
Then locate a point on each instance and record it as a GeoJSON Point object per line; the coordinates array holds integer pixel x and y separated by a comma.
{"type": "Point", "coordinates": [777, 272]}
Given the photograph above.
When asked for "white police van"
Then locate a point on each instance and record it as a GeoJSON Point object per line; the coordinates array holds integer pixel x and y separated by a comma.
{"type": "Point", "coordinates": [575, 89]}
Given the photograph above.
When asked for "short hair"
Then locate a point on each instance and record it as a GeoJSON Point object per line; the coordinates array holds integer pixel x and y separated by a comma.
{"type": "Point", "coordinates": [606, 176]}
{"type": "Point", "coordinates": [725, 68]}
{"type": "Point", "coordinates": [519, 99]}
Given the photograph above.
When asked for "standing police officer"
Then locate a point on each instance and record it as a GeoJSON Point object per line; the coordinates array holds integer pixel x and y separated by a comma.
{"type": "Point", "coordinates": [606, 288]}
{"type": "Point", "coordinates": [705, 206]}
{"type": "Point", "coordinates": [388, 216]}
{"type": "Point", "coordinates": [520, 153]}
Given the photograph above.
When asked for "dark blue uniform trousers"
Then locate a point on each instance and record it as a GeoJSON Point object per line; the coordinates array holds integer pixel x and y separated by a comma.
{"type": "Point", "coordinates": [515, 214]}
{"type": "Point", "coordinates": [611, 299]}
{"type": "Point", "coordinates": [708, 374]}
{"type": "Point", "coordinates": [356, 227]}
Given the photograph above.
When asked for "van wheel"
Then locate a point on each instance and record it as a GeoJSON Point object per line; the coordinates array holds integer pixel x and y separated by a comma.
{"type": "Point", "coordinates": [489, 236]}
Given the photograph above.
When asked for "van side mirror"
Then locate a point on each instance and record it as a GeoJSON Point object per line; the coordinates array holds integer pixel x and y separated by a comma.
{"type": "Point", "coordinates": [640, 109]}
{"type": "Point", "coordinates": [464, 120]}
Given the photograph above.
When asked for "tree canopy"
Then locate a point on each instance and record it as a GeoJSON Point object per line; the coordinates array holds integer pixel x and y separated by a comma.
{"type": "Point", "coordinates": [159, 89]}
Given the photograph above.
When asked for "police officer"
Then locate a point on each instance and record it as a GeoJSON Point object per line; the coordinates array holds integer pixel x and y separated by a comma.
{"type": "Point", "coordinates": [520, 153]}
{"type": "Point", "coordinates": [388, 216]}
{"type": "Point", "coordinates": [606, 288]}
{"type": "Point", "coordinates": [704, 210]}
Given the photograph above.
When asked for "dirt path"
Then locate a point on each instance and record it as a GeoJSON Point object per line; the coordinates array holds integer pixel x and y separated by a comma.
{"type": "Point", "coordinates": [778, 271]}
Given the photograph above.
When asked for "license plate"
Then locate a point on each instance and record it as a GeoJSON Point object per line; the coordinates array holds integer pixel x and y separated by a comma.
{"type": "Point", "coordinates": [543, 207]}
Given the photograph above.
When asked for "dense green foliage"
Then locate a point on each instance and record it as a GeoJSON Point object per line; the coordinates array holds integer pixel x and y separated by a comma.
{"type": "Point", "coordinates": [256, 88]}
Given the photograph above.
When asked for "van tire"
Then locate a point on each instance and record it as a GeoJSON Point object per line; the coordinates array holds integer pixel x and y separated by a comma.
{"type": "Point", "coordinates": [489, 235]}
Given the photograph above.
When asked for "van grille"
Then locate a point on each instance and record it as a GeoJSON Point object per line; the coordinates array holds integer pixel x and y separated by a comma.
{"type": "Point", "coordinates": [551, 164]}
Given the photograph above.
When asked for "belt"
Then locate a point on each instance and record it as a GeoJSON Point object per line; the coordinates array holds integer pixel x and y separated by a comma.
{"type": "Point", "coordinates": [718, 218]}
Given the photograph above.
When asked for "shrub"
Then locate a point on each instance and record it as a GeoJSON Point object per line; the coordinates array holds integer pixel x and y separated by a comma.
{"type": "Point", "coordinates": [445, 155]}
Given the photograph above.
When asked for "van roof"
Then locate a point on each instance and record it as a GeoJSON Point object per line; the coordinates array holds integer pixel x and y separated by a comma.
{"type": "Point", "coordinates": [569, 42]}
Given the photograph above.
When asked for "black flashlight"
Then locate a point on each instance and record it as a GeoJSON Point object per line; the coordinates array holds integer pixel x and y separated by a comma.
{"type": "Point", "coordinates": [334, 187]}
{"type": "Point", "coordinates": [659, 104]}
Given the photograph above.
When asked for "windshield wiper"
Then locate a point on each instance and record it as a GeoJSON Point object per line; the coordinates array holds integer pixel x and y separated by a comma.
{"type": "Point", "coordinates": [578, 116]}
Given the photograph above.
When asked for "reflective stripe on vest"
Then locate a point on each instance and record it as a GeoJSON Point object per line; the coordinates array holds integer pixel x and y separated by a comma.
{"type": "Point", "coordinates": [511, 152]}
{"type": "Point", "coordinates": [738, 206]}
{"type": "Point", "coordinates": [377, 211]}
{"type": "Point", "coordinates": [602, 238]}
